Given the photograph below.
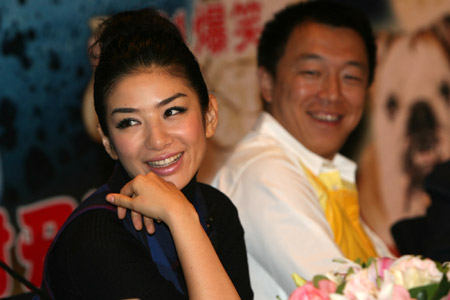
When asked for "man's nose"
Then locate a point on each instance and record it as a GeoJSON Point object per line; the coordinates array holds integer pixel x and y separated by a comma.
{"type": "Point", "coordinates": [331, 88]}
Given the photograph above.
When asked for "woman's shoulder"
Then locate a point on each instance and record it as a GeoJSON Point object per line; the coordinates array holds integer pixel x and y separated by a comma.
{"type": "Point", "coordinates": [215, 197]}
{"type": "Point", "coordinates": [96, 199]}
{"type": "Point", "coordinates": [220, 209]}
{"type": "Point", "coordinates": [88, 221]}
{"type": "Point", "coordinates": [92, 235]}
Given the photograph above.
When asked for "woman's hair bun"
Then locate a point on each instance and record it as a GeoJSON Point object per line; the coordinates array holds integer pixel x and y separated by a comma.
{"type": "Point", "coordinates": [149, 23]}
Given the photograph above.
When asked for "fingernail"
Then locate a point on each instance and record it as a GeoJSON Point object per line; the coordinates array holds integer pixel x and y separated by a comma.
{"type": "Point", "coordinates": [110, 198]}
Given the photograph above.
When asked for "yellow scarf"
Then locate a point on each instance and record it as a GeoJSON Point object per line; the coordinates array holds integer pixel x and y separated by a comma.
{"type": "Point", "coordinates": [339, 201]}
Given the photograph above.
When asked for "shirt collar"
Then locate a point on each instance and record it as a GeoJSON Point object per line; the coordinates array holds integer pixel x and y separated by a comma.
{"type": "Point", "coordinates": [315, 163]}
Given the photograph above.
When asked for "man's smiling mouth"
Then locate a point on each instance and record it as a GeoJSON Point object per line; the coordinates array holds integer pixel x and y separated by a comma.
{"type": "Point", "coordinates": [165, 162]}
{"type": "Point", "coordinates": [325, 117]}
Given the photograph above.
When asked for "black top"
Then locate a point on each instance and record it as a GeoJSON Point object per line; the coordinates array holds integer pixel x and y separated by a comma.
{"type": "Point", "coordinates": [96, 257]}
{"type": "Point", "coordinates": [429, 235]}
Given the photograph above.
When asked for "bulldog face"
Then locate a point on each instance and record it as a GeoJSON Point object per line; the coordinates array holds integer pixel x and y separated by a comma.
{"type": "Point", "coordinates": [411, 119]}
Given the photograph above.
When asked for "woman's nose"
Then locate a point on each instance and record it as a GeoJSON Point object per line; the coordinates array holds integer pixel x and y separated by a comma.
{"type": "Point", "coordinates": [158, 137]}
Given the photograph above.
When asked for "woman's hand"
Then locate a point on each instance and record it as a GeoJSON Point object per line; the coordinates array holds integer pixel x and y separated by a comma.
{"type": "Point", "coordinates": [154, 198]}
{"type": "Point", "coordinates": [158, 199]}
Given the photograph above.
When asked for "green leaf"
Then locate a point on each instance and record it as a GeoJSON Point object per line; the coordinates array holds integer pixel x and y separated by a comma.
{"type": "Point", "coordinates": [349, 272]}
{"type": "Point", "coordinates": [443, 268]}
{"type": "Point", "coordinates": [423, 292]}
{"type": "Point", "coordinates": [443, 288]}
{"type": "Point", "coordinates": [318, 278]}
{"type": "Point", "coordinates": [359, 262]}
{"type": "Point", "coordinates": [340, 288]}
{"type": "Point", "coordinates": [420, 295]}
{"type": "Point", "coordinates": [369, 262]}
{"type": "Point", "coordinates": [299, 281]}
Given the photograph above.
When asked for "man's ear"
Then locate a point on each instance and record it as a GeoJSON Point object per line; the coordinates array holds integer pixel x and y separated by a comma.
{"type": "Point", "coordinates": [107, 144]}
{"type": "Point", "coordinates": [211, 116]}
{"type": "Point", "coordinates": [266, 84]}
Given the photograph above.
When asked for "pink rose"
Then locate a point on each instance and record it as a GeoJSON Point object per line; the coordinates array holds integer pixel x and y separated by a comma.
{"type": "Point", "coordinates": [400, 293]}
{"type": "Point", "coordinates": [377, 268]}
{"type": "Point", "coordinates": [393, 291]}
{"type": "Point", "coordinates": [383, 264]}
{"type": "Point", "coordinates": [361, 283]}
{"type": "Point", "coordinates": [309, 292]}
{"type": "Point", "coordinates": [446, 297]}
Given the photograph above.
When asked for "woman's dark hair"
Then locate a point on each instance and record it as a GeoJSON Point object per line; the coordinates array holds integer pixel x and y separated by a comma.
{"type": "Point", "coordinates": [277, 32]}
{"type": "Point", "coordinates": [136, 41]}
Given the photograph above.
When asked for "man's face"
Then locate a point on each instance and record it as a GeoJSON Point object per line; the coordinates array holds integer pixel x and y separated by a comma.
{"type": "Point", "coordinates": [320, 85]}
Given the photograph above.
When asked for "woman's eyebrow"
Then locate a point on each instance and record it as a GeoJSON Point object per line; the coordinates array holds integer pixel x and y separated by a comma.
{"type": "Point", "coordinates": [163, 102]}
{"type": "Point", "coordinates": [170, 99]}
{"type": "Point", "coordinates": [124, 110]}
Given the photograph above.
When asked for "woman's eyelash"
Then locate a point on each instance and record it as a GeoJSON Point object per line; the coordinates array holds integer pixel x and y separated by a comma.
{"type": "Point", "coordinates": [174, 110]}
{"type": "Point", "coordinates": [167, 113]}
{"type": "Point", "coordinates": [125, 123]}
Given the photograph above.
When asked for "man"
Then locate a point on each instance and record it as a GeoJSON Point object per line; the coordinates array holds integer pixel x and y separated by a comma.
{"type": "Point", "coordinates": [295, 194]}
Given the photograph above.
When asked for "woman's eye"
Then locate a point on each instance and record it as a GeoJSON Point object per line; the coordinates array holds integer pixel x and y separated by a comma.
{"type": "Point", "coordinates": [126, 123]}
{"type": "Point", "coordinates": [174, 111]}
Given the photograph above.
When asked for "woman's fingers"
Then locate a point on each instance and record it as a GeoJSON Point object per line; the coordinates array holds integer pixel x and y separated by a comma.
{"type": "Point", "coordinates": [119, 200]}
{"type": "Point", "coordinates": [121, 212]}
{"type": "Point", "coordinates": [137, 220]}
{"type": "Point", "coordinates": [152, 197]}
{"type": "Point", "coordinates": [123, 202]}
{"type": "Point", "coordinates": [128, 189]}
{"type": "Point", "coordinates": [149, 225]}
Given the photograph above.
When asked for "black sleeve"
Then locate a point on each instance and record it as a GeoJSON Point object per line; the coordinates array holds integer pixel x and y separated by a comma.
{"type": "Point", "coordinates": [97, 258]}
{"type": "Point", "coordinates": [227, 236]}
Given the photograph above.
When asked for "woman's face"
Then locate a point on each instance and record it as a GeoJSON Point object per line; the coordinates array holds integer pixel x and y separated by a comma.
{"type": "Point", "coordinates": [155, 124]}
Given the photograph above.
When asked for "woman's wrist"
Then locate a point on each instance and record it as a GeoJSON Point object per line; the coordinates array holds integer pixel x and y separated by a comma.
{"type": "Point", "coordinates": [182, 216]}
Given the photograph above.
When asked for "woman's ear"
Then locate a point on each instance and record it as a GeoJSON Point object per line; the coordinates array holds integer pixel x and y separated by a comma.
{"type": "Point", "coordinates": [265, 80]}
{"type": "Point", "coordinates": [107, 144]}
{"type": "Point", "coordinates": [211, 116]}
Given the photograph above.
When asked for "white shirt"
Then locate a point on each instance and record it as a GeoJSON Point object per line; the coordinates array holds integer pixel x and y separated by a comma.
{"type": "Point", "coordinates": [286, 230]}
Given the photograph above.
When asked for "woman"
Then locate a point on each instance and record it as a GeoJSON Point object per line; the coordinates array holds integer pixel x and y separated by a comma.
{"type": "Point", "coordinates": [155, 115]}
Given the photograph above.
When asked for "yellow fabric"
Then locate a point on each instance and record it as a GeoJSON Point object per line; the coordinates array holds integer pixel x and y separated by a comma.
{"type": "Point", "coordinates": [339, 201]}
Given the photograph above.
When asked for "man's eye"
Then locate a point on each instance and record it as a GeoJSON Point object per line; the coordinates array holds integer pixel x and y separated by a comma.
{"type": "Point", "coordinates": [353, 78]}
{"type": "Point", "coordinates": [174, 111]}
{"type": "Point", "coordinates": [310, 73]}
{"type": "Point", "coordinates": [126, 123]}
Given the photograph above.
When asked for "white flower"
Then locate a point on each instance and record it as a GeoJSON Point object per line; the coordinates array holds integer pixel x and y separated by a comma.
{"type": "Point", "coordinates": [412, 271]}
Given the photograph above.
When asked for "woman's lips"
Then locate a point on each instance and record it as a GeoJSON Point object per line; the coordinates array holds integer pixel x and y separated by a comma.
{"type": "Point", "coordinates": [166, 166]}
{"type": "Point", "coordinates": [165, 162]}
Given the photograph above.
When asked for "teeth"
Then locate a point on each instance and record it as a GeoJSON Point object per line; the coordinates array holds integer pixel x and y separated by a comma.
{"type": "Point", "coordinates": [164, 162]}
{"type": "Point", "coordinates": [328, 118]}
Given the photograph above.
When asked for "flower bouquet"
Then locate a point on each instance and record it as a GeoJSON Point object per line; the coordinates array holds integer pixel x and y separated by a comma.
{"type": "Point", "coordinates": [407, 277]}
